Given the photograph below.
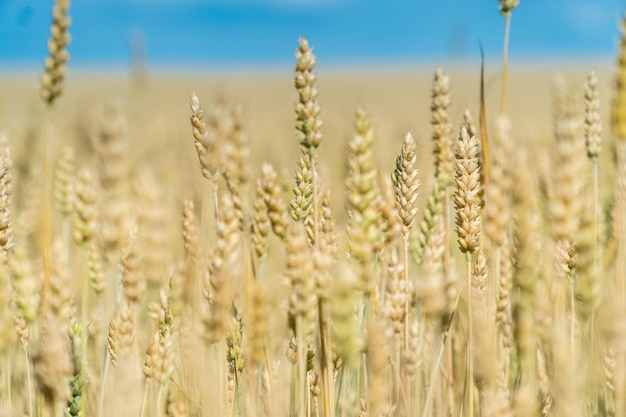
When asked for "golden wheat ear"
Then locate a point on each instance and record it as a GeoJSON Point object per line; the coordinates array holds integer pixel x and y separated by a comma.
{"type": "Point", "coordinates": [53, 76]}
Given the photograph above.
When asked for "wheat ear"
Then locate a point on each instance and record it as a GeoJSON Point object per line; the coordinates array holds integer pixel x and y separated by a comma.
{"type": "Point", "coordinates": [467, 204]}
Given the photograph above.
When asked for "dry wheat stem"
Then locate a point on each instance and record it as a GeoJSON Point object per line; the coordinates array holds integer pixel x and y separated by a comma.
{"type": "Point", "coordinates": [470, 337]}
{"type": "Point", "coordinates": [47, 209]}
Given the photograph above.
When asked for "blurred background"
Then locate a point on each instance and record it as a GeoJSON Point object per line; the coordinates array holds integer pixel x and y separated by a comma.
{"type": "Point", "coordinates": [240, 34]}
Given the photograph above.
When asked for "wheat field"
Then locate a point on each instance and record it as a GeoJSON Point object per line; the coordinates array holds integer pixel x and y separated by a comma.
{"type": "Point", "coordinates": [313, 242]}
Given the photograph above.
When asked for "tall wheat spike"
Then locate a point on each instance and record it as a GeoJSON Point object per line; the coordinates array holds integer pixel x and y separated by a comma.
{"type": "Point", "coordinates": [467, 204]}
{"type": "Point", "coordinates": [55, 69]}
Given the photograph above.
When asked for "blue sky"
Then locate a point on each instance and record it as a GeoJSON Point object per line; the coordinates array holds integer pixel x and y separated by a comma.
{"type": "Point", "coordinates": [238, 33]}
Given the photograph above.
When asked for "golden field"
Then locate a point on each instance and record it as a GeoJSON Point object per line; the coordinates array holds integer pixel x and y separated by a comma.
{"type": "Point", "coordinates": [348, 244]}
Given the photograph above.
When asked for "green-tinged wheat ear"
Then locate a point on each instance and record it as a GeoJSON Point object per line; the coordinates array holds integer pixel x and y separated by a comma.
{"type": "Point", "coordinates": [466, 199]}
{"type": "Point", "coordinates": [618, 118]}
{"type": "Point", "coordinates": [234, 353]}
{"type": "Point", "coordinates": [363, 196]}
{"type": "Point", "coordinates": [434, 208]}
{"type": "Point", "coordinates": [308, 122]}
{"type": "Point", "coordinates": [79, 379]}
{"type": "Point", "coordinates": [55, 68]}
{"type": "Point", "coordinates": [343, 300]}
{"type": "Point", "coordinates": [300, 207]}
{"type": "Point", "coordinates": [507, 6]}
